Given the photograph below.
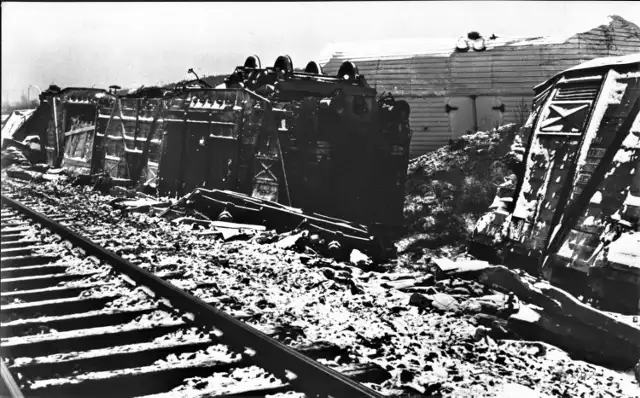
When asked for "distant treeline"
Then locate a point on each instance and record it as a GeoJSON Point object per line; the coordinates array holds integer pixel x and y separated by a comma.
{"type": "Point", "coordinates": [23, 103]}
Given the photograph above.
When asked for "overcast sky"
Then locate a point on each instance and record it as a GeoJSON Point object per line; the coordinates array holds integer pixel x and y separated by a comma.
{"type": "Point", "coordinates": [129, 44]}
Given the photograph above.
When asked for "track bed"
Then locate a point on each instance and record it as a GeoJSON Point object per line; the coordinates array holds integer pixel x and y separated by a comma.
{"type": "Point", "coordinates": [77, 320]}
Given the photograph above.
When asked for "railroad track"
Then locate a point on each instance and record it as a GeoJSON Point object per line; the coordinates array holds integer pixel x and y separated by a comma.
{"type": "Point", "coordinates": [78, 320]}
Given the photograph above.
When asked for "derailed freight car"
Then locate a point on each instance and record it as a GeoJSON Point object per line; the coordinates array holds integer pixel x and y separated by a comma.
{"type": "Point", "coordinates": [324, 144]}
{"type": "Point", "coordinates": [574, 215]}
{"type": "Point", "coordinates": [129, 135]}
{"type": "Point", "coordinates": [65, 122]}
{"type": "Point", "coordinates": [321, 143]}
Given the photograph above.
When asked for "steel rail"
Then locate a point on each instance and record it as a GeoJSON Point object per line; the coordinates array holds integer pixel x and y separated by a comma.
{"type": "Point", "coordinates": [298, 370]}
{"type": "Point", "coordinates": [9, 386]}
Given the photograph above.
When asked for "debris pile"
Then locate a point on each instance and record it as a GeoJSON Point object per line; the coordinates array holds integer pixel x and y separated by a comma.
{"type": "Point", "coordinates": [20, 153]}
{"type": "Point", "coordinates": [553, 315]}
{"type": "Point", "coordinates": [449, 189]}
{"type": "Point", "coordinates": [236, 216]}
{"type": "Point", "coordinates": [36, 173]}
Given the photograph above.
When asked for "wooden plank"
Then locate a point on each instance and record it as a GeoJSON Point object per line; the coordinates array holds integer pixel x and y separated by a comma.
{"type": "Point", "coordinates": [79, 130]}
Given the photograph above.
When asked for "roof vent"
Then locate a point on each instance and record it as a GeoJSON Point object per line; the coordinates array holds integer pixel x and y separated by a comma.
{"type": "Point", "coordinates": [54, 88]}
{"type": "Point", "coordinates": [253, 62]}
{"type": "Point", "coordinates": [313, 67]}
{"type": "Point", "coordinates": [284, 63]}
{"type": "Point", "coordinates": [462, 45]}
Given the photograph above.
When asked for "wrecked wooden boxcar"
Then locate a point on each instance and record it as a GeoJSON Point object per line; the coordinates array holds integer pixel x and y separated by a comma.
{"type": "Point", "coordinates": [574, 214]}
{"type": "Point", "coordinates": [129, 135]}
{"type": "Point", "coordinates": [321, 143]}
{"type": "Point", "coordinates": [325, 143]}
{"type": "Point", "coordinates": [67, 125]}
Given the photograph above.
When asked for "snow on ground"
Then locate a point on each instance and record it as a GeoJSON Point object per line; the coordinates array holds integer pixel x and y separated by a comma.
{"type": "Point", "coordinates": [307, 298]}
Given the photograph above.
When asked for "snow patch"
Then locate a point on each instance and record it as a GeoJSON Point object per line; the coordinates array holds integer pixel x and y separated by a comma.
{"type": "Point", "coordinates": [632, 200]}
{"type": "Point", "coordinates": [527, 313]}
{"type": "Point", "coordinates": [616, 93]}
{"type": "Point", "coordinates": [624, 156]}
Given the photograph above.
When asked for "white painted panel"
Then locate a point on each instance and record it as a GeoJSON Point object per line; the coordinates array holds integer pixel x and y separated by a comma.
{"type": "Point", "coordinates": [461, 120]}
{"type": "Point", "coordinates": [516, 108]}
{"type": "Point", "coordinates": [489, 112]}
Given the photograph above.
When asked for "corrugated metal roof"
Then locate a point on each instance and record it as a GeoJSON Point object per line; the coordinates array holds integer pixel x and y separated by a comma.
{"type": "Point", "coordinates": [402, 48]}
{"type": "Point", "coordinates": [608, 61]}
{"type": "Point", "coordinates": [597, 63]}
{"type": "Point", "coordinates": [429, 73]}
{"type": "Point", "coordinates": [415, 47]}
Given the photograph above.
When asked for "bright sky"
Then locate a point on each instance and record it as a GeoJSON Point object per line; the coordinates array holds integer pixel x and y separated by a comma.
{"type": "Point", "coordinates": [129, 44]}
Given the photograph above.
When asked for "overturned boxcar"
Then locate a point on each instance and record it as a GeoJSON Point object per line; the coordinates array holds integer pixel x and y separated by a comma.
{"type": "Point", "coordinates": [325, 144]}
{"type": "Point", "coordinates": [63, 125]}
{"type": "Point", "coordinates": [574, 214]}
{"type": "Point", "coordinates": [129, 134]}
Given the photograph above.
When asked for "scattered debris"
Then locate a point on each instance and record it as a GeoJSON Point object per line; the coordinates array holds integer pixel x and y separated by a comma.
{"type": "Point", "coordinates": [326, 235]}
{"type": "Point", "coordinates": [359, 258]}
{"type": "Point", "coordinates": [436, 347]}
{"type": "Point", "coordinates": [554, 315]}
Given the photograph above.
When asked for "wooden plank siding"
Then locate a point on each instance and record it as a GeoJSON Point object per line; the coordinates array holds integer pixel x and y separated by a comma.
{"type": "Point", "coordinates": [508, 70]}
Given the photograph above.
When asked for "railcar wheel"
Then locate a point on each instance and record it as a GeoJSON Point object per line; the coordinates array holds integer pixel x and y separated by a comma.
{"type": "Point", "coordinates": [284, 63]}
{"type": "Point", "coordinates": [348, 71]}
{"type": "Point", "coordinates": [314, 67]}
{"type": "Point", "coordinates": [253, 61]}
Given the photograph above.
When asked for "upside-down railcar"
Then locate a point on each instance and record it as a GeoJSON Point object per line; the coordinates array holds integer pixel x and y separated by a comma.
{"type": "Point", "coordinates": [321, 143]}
